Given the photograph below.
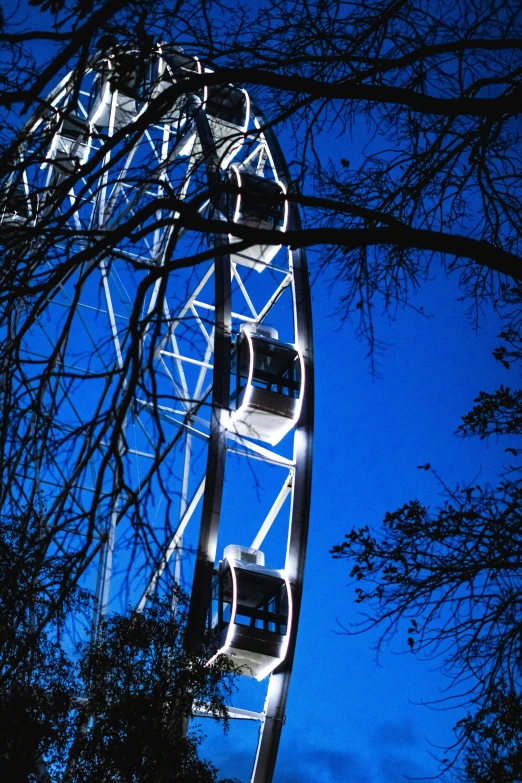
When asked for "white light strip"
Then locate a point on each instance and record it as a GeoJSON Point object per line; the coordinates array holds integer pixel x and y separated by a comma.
{"type": "Point", "coordinates": [248, 391]}
{"type": "Point", "coordinates": [230, 630]}
{"type": "Point", "coordinates": [237, 211]}
{"type": "Point", "coordinates": [269, 668]}
{"type": "Point", "coordinates": [247, 111]}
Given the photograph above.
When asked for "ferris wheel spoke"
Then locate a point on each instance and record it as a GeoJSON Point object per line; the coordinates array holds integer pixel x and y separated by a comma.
{"type": "Point", "coordinates": [254, 451]}
{"type": "Point", "coordinates": [96, 347]}
{"type": "Point", "coordinates": [168, 415]}
{"type": "Point", "coordinates": [138, 453]}
{"type": "Point", "coordinates": [206, 335]}
{"type": "Point", "coordinates": [179, 317]}
{"type": "Point", "coordinates": [145, 431]}
{"type": "Point", "coordinates": [76, 216]}
{"type": "Point", "coordinates": [251, 307]}
{"type": "Point", "coordinates": [172, 545]}
{"type": "Point", "coordinates": [274, 511]}
{"type": "Point", "coordinates": [66, 394]}
{"type": "Point", "coordinates": [159, 173]}
{"type": "Point", "coordinates": [234, 713]}
{"type": "Point", "coordinates": [158, 157]}
{"type": "Point", "coordinates": [287, 281]}
{"type": "Point", "coordinates": [180, 359]}
{"type": "Point", "coordinates": [202, 375]}
{"type": "Point", "coordinates": [112, 317]}
{"type": "Point", "coordinates": [124, 296]}
{"type": "Point", "coordinates": [259, 152]}
{"type": "Point", "coordinates": [121, 179]}
{"type": "Point", "coordinates": [176, 354]}
{"type": "Point", "coordinates": [182, 395]}
{"type": "Point", "coordinates": [236, 316]}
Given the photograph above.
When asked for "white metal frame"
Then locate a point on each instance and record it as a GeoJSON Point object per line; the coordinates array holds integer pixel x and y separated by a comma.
{"type": "Point", "coordinates": [191, 419]}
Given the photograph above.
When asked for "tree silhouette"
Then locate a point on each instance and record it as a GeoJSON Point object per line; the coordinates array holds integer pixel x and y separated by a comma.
{"type": "Point", "coordinates": [449, 582]}
{"type": "Point", "coordinates": [114, 709]}
{"type": "Point", "coordinates": [435, 91]}
{"type": "Point", "coordinates": [141, 685]}
{"type": "Point", "coordinates": [493, 738]}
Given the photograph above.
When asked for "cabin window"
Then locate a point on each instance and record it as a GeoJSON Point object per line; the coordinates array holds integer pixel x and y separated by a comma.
{"type": "Point", "coordinates": [227, 104]}
{"type": "Point", "coordinates": [261, 200]}
{"type": "Point", "coordinates": [262, 601]}
{"type": "Point", "coordinates": [73, 128]}
{"type": "Point", "coordinates": [276, 367]}
{"type": "Point", "coordinates": [17, 204]}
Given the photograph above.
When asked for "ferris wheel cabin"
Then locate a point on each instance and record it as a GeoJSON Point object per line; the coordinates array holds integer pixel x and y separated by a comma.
{"type": "Point", "coordinates": [70, 144]}
{"type": "Point", "coordinates": [169, 67]}
{"type": "Point", "coordinates": [259, 204]}
{"type": "Point", "coordinates": [115, 99]}
{"type": "Point", "coordinates": [17, 207]}
{"type": "Point", "coordinates": [251, 612]}
{"type": "Point", "coordinates": [228, 112]}
{"type": "Point", "coordinates": [268, 386]}
{"type": "Point", "coordinates": [122, 89]}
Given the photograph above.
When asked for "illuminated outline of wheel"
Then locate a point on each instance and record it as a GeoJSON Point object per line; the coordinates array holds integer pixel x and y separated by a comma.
{"type": "Point", "coordinates": [83, 181]}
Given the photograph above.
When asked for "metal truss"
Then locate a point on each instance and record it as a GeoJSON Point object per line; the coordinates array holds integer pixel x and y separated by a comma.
{"type": "Point", "coordinates": [122, 373]}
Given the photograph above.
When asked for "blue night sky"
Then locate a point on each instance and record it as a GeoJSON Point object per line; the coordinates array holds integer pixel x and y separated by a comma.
{"type": "Point", "coordinates": [350, 718]}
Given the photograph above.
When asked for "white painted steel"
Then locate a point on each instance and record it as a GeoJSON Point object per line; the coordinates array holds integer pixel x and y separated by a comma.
{"type": "Point", "coordinates": [146, 466]}
{"type": "Point", "coordinates": [258, 663]}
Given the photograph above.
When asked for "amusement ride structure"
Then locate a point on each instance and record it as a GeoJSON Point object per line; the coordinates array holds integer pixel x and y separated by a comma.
{"type": "Point", "coordinates": [174, 367]}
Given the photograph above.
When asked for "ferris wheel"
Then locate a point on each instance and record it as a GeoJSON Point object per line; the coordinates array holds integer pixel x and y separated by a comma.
{"type": "Point", "coordinates": [173, 368]}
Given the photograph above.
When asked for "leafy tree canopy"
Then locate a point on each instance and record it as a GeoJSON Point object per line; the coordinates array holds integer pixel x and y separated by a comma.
{"type": "Point", "coordinates": [116, 709]}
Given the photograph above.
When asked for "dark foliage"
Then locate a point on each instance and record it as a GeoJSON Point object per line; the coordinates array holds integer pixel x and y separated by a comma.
{"type": "Point", "coordinates": [453, 576]}
{"type": "Point", "coordinates": [141, 685]}
{"type": "Point", "coordinates": [493, 738]}
{"type": "Point", "coordinates": [115, 709]}
{"type": "Point", "coordinates": [35, 713]}
{"type": "Point", "coordinates": [37, 678]}
{"type": "Point", "coordinates": [37, 590]}
{"type": "Point", "coordinates": [435, 91]}
{"type": "Point", "coordinates": [449, 581]}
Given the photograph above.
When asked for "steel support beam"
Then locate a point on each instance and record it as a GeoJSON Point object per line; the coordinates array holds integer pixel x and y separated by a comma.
{"type": "Point", "coordinates": [216, 455]}
{"type": "Point", "coordinates": [275, 704]}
